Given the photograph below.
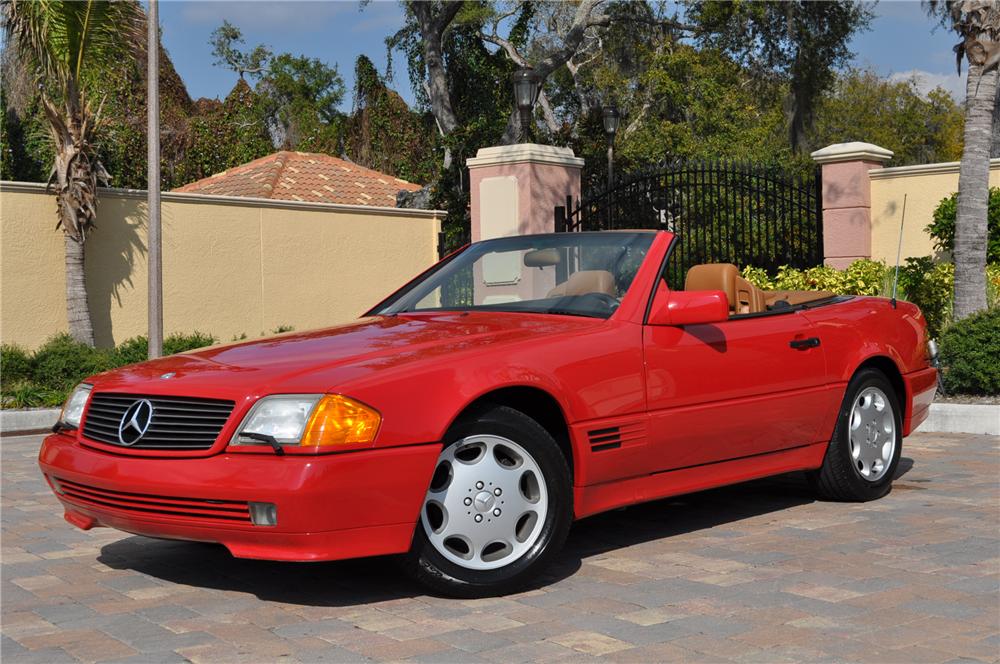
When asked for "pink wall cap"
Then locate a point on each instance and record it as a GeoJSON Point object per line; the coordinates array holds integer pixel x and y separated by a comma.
{"type": "Point", "coordinates": [525, 153]}
{"type": "Point", "coordinates": [853, 151]}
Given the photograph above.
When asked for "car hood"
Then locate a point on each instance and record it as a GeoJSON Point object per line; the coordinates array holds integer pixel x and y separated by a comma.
{"type": "Point", "coordinates": [319, 360]}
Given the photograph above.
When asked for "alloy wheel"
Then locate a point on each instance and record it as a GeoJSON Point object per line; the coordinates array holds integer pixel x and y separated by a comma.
{"type": "Point", "coordinates": [486, 504]}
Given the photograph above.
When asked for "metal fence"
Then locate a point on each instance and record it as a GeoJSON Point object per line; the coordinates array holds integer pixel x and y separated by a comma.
{"type": "Point", "coordinates": [723, 212]}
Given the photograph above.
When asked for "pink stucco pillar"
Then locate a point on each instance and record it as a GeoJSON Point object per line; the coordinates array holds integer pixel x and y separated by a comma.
{"type": "Point", "coordinates": [847, 200]}
{"type": "Point", "coordinates": [515, 188]}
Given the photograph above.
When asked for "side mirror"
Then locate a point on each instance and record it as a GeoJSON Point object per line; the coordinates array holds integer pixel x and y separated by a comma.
{"type": "Point", "coordinates": [691, 308]}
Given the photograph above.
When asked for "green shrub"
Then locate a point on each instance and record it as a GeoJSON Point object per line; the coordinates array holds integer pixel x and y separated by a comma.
{"type": "Point", "coordinates": [45, 378]}
{"type": "Point", "coordinates": [970, 349]}
{"type": "Point", "coordinates": [993, 285]}
{"type": "Point", "coordinates": [24, 394]}
{"type": "Point", "coordinates": [862, 277]}
{"type": "Point", "coordinates": [136, 349]}
{"type": "Point", "coordinates": [759, 277]}
{"type": "Point", "coordinates": [131, 351]}
{"type": "Point", "coordinates": [15, 364]}
{"type": "Point", "coordinates": [930, 286]}
{"type": "Point", "coordinates": [942, 228]}
{"type": "Point", "coordinates": [180, 343]}
{"type": "Point", "coordinates": [62, 362]}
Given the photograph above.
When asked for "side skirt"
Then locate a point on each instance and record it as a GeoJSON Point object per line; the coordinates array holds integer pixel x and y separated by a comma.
{"type": "Point", "coordinates": [598, 498]}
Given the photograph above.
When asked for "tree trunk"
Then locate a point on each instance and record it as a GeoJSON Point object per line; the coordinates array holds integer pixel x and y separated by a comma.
{"type": "Point", "coordinates": [77, 306]}
{"type": "Point", "coordinates": [973, 194]}
{"type": "Point", "coordinates": [432, 27]}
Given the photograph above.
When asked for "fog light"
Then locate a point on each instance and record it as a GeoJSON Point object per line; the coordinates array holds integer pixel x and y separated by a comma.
{"type": "Point", "coordinates": [264, 514]}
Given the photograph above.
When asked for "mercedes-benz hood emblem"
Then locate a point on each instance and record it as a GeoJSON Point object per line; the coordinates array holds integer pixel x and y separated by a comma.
{"type": "Point", "coordinates": [135, 422]}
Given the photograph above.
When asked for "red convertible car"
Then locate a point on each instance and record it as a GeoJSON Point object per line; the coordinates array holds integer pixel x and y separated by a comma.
{"type": "Point", "coordinates": [469, 418]}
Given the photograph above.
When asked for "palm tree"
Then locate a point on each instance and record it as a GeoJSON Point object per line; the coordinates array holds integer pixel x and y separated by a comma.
{"type": "Point", "coordinates": [977, 22]}
{"type": "Point", "coordinates": [66, 44]}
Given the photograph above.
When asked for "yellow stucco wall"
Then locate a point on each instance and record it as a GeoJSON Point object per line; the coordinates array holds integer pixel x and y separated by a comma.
{"type": "Point", "coordinates": [229, 266]}
{"type": "Point", "coordinates": [924, 187]}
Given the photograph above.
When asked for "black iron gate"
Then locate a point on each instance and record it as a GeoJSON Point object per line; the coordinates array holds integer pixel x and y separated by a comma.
{"type": "Point", "coordinates": [723, 212]}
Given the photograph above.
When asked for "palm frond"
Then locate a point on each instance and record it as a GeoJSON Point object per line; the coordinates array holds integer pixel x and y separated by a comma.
{"type": "Point", "coordinates": [64, 39]}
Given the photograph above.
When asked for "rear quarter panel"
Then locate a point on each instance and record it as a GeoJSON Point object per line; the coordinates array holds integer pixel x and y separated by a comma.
{"type": "Point", "coordinates": [863, 328]}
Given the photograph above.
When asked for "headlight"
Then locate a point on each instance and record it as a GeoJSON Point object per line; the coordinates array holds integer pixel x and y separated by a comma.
{"type": "Point", "coordinates": [72, 411]}
{"type": "Point", "coordinates": [310, 420]}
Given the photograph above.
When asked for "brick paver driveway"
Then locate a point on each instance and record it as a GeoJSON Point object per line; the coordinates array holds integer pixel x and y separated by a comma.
{"type": "Point", "coordinates": [759, 572]}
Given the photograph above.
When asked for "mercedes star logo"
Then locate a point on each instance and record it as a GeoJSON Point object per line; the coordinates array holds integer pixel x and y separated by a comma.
{"type": "Point", "coordinates": [135, 422]}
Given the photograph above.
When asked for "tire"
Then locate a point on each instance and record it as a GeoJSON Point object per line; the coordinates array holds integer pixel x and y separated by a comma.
{"type": "Point", "coordinates": [497, 510]}
{"type": "Point", "coordinates": [861, 459]}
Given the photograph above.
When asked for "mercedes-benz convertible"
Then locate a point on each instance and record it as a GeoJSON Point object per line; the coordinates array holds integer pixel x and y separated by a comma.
{"type": "Point", "coordinates": [468, 419]}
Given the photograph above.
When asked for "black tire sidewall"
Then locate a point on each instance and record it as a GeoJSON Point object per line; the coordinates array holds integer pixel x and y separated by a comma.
{"type": "Point", "coordinates": [841, 444]}
{"type": "Point", "coordinates": [447, 577]}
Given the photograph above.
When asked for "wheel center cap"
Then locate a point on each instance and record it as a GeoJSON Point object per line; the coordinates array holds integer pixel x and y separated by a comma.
{"type": "Point", "coordinates": [484, 501]}
{"type": "Point", "coordinates": [871, 433]}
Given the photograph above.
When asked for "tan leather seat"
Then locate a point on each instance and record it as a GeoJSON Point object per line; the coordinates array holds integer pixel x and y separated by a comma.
{"type": "Point", "coordinates": [744, 297]}
{"type": "Point", "coordinates": [586, 281]}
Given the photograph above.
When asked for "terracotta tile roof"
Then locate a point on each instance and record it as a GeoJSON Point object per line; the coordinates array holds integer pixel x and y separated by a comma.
{"type": "Point", "coordinates": [304, 176]}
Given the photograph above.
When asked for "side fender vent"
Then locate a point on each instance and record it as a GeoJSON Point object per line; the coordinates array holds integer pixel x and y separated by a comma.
{"type": "Point", "coordinates": [605, 439]}
{"type": "Point", "coordinates": [611, 438]}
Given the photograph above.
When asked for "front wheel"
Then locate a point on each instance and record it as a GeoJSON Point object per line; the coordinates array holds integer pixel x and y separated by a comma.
{"type": "Point", "coordinates": [867, 442]}
{"type": "Point", "coordinates": [498, 508]}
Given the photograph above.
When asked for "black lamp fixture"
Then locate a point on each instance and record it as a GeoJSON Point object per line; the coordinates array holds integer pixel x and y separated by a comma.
{"type": "Point", "coordinates": [611, 118]}
{"type": "Point", "coordinates": [527, 84]}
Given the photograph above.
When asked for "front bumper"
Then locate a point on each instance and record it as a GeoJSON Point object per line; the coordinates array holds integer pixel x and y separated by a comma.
{"type": "Point", "coordinates": [921, 386]}
{"type": "Point", "coordinates": [329, 507]}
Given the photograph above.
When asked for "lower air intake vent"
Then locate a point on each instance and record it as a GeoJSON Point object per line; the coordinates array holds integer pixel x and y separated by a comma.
{"type": "Point", "coordinates": [142, 504]}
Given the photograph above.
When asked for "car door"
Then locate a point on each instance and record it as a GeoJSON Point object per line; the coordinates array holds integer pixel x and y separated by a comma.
{"type": "Point", "coordinates": [749, 385]}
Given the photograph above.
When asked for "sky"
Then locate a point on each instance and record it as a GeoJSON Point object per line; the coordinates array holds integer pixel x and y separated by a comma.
{"type": "Point", "coordinates": [903, 42]}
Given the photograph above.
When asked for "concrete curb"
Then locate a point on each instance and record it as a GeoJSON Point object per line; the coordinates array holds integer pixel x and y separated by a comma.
{"type": "Point", "coordinates": [963, 418]}
{"type": "Point", "coordinates": [27, 420]}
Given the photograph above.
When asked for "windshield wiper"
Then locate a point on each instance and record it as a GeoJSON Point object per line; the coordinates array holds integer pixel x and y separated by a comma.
{"type": "Point", "coordinates": [264, 438]}
{"type": "Point", "coordinates": [568, 312]}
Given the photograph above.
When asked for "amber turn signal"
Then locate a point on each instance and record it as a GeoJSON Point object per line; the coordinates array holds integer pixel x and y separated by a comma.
{"type": "Point", "coordinates": [338, 420]}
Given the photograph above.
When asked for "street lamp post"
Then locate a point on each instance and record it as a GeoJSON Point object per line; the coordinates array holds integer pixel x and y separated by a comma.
{"type": "Point", "coordinates": [527, 83]}
{"type": "Point", "coordinates": [611, 119]}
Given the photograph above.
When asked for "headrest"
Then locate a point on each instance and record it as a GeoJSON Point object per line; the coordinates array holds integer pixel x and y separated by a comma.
{"type": "Point", "coordinates": [543, 258]}
{"type": "Point", "coordinates": [713, 276]}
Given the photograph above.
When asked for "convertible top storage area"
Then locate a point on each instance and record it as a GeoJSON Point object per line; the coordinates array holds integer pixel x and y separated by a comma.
{"type": "Point", "coordinates": [744, 297]}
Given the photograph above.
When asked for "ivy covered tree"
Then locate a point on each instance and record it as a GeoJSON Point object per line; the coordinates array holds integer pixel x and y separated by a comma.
{"type": "Point", "coordinates": [299, 95]}
{"type": "Point", "coordinates": [221, 136]}
{"type": "Point", "coordinates": [382, 132]}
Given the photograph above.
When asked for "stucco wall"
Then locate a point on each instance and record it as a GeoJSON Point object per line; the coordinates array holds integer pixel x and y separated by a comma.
{"type": "Point", "coordinates": [230, 266]}
{"type": "Point", "coordinates": [924, 187]}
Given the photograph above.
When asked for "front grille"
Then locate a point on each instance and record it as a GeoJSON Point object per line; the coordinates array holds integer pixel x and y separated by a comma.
{"type": "Point", "coordinates": [146, 504]}
{"type": "Point", "coordinates": [178, 423]}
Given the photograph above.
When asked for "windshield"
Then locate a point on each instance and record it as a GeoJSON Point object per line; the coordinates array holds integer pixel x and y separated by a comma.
{"type": "Point", "coordinates": [580, 274]}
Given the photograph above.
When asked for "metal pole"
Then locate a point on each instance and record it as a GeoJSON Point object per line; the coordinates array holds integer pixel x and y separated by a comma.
{"type": "Point", "coordinates": [609, 198]}
{"type": "Point", "coordinates": [155, 256]}
{"type": "Point", "coordinates": [611, 162]}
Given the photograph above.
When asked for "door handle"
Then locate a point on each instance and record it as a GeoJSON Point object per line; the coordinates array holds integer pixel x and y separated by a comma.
{"type": "Point", "coordinates": [803, 344]}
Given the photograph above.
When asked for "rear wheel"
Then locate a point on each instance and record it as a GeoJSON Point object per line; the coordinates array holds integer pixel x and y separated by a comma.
{"type": "Point", "coordinates": [867, 441]}
{"type": "Point", "coordinates": [498, 508]}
